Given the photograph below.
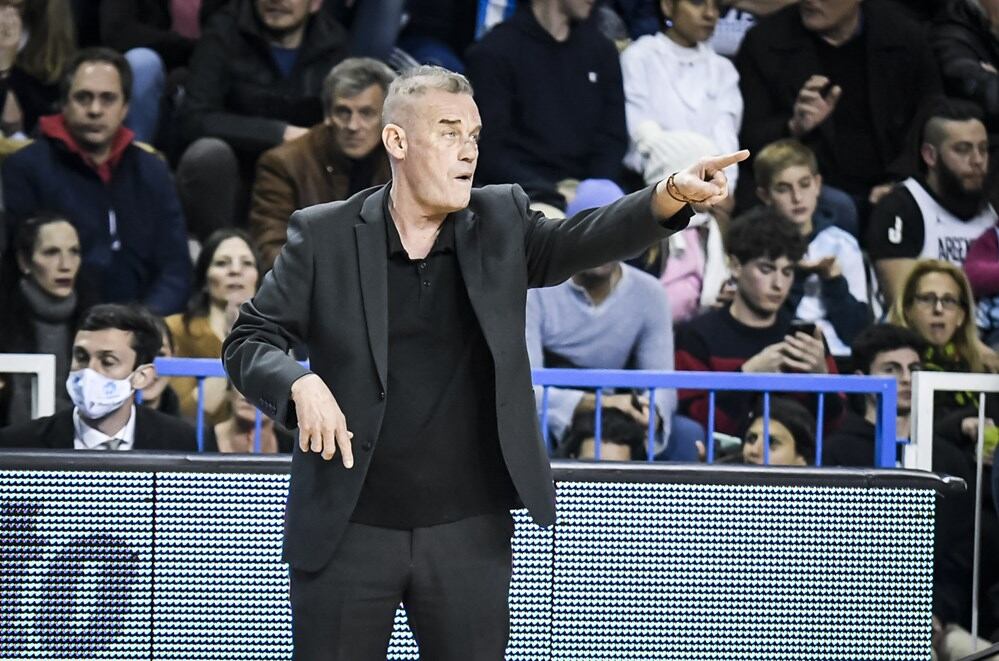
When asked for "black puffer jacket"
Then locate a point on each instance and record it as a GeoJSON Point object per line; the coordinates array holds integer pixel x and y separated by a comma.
{"type": "Point", "coordinates": [236, 92]}
{"type": "Point", "coordinates": [964, 44]}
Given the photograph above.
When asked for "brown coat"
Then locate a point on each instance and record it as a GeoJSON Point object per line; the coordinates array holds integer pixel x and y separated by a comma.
{"type": "Point", "coordinates": [297, 174]}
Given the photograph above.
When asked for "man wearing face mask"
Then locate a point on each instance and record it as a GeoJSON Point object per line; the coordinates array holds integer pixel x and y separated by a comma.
{"type": "Point", "coordinates": [112, 357]}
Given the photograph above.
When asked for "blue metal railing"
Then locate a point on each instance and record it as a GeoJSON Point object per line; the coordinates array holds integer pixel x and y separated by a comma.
{"type": "Point", "coordinates": [884, 388]}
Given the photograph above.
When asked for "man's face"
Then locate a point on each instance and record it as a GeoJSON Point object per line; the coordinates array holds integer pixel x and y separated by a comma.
{"type": "Point", "coordinates": [95, 107]}
{"type": "Point", "coordinates": [899, 363]}
{"type": "Point", "coordinates": [794, 193]}
{"type": "Point", "coordinates": [577, 10]}
{"type": "Point", "coordinates": [441, 150]}
{"type": "Point", "coordinates": [962, 157]}
{"type": "Point", "coordinates": [108, 351]}
{"type": "Point", "coordinates": [357, 121]}
{"type": "Point", "coordinates": [783, 450]}
{"type": "Point", "coordinates": [763, 284]}
{"type": "Point", "coordinates": [609, 450]}
{"type": "Point", "coordinates": [827, 16]}
{"type": "Point", "coordinates": [283, 16]}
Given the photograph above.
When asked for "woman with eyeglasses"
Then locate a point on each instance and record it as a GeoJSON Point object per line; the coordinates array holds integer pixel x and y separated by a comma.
{"type": "Point", "coordinates": [938, 304]}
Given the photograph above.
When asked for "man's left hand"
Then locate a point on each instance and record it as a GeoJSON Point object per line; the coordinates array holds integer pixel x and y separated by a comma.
{"type": "Point", "coordinates": [704, 183]}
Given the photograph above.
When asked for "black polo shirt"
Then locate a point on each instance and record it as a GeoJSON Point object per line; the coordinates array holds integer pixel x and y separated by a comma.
{"type": "Point", "coordinates": [437, 458]}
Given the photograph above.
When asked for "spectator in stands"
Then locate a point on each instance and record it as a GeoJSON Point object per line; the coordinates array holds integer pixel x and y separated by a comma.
{"type": "Point", "coordinates": [160, 395]}
{"type": "Point", "coordinates": [982, 267]}
{"type": "Point", "coordinates": [937, 214]}
{"type": "Point", "coordinates": [676, 86]}
{"type": "Point", "coordinates": [609, 317]}
{"type": "Point", "coordinates": [845, 77]}
{"type": "Point", "coordinates": [237, 432]}
{"type": "Point", "coordinates": [754, 332]}
{"type": "Point", "coordinates": [622, 437]}
{"type": "Point", "coordinates": [935, 300]}
{"type": "Point", "coordinates": [226, 275]}
{"type": "Point", "coordinates": [36, 43]}
{"type": "Point", "coordinates": [830, 283]}
{"type": "Point", "coordinates": [967, 48]}
{"type": "Point", "coordinates": [879, 350]}
{"type": "Point", "coordinates": [255, 80]}
{"type": "Point", "coordinates": [118, 195]}
{"type": "Point", "coordinates": [792, 435]}
{"type": "Point", "coordinates": [112, 358]}
{"type": "Point", "coordinates": [548, 86]}
{"type": "Point", "coordinates": [682, 102]}
{"type": "Point", "coordinates": [334, 160]}
{"type": "Point", "coordinates": [41, 306]}
{"type": "Point", "coordinates": [156, 36]}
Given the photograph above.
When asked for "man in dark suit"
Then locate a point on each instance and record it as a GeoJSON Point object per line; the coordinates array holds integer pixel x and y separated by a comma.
{"type": "Point", "coordinates": [113, 352]}
{"type": "Point", "coordinates": [411, 300]}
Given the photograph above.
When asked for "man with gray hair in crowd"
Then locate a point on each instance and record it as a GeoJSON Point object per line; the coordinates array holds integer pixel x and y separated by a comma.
{"type": "Point", "coordinates": [334, 160]}
{"type": "Point", "coordinates": [411, 300]}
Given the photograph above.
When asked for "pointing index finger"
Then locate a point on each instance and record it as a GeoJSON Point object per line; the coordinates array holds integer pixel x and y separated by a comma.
{"type": "Point", "coordinates": [722, 162]}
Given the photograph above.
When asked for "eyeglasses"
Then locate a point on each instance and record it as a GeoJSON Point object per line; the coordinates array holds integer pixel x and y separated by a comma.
{"type": "Point", "coordinates": [930, 301]}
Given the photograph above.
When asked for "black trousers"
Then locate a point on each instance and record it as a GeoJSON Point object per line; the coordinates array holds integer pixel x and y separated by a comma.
{"type": "Point", "coordinates": [453, 579]}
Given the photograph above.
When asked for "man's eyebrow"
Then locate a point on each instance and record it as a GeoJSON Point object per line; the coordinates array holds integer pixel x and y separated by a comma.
{"type": "Point", "coordinates": [450, 122]}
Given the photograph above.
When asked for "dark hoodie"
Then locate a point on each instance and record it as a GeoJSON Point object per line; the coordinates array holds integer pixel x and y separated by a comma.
{"type": "Point", "coordinates": [550, 110]}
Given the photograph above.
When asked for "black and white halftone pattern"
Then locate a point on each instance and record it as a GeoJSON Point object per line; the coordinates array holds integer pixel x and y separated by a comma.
{"type": "Point", "coordinates": [173, 565]}
{"type": "Point", "coordinates": [704, 572]}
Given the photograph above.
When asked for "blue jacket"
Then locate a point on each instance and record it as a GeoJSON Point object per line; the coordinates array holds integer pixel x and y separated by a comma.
{"type": "Point", "coordinates": [147, 261]}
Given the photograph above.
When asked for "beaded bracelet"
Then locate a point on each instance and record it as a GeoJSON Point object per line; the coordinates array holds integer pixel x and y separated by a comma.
{"type": "Point", "coordinates": [674, 191]}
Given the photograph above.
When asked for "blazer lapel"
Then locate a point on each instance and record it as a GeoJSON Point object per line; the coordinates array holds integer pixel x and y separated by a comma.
{"type": "Point", "coordinates": [468, 246]}
{"type": "Point", "coordinates": [372, 264]}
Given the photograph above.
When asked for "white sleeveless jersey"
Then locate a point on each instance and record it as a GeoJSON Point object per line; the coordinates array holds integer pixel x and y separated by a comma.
{"type": "Point", "coordinates": [945, 236]}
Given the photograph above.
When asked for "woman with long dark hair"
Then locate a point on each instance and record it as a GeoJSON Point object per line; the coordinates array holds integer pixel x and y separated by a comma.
{"type": "Point", "coordinates": [226, 274]}
{"type": "Point", "coordinates": [42, 298]}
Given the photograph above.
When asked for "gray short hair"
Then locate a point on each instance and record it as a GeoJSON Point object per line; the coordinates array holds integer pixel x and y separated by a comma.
{"type": "Point", "coordinates": [418, 81]}
{"type": "Point", "coordinates": [353, 76]}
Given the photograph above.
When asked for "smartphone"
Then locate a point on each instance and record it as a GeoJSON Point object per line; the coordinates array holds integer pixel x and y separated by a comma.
{"type": "Point", "coordinates": [825, 89]}
{"type": "Point", "coordinates": [806, 327]}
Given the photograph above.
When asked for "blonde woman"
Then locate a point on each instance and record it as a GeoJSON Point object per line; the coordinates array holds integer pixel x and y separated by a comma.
{"type": "Point", "coordinates": [937, 303]}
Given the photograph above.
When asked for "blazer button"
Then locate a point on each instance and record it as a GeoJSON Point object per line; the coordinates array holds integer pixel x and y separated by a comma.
{"type": "Point", "coordinates": [366, 446]}
{"type": "Point", "coordinates": [381, 395]}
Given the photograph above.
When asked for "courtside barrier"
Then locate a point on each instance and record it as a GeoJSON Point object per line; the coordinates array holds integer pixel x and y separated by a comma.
{"type": "Point", "coordinates": [883, 387]}
{"type": "Point", "coordinates": [129, 555]}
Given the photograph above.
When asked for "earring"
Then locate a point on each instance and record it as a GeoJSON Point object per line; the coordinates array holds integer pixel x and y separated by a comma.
{"type": "Point", "coordinates": [668, 23]}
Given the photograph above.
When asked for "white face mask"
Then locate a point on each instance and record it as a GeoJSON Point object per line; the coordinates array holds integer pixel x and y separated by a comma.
{"type": "Point", "coordinates": [96, 395]}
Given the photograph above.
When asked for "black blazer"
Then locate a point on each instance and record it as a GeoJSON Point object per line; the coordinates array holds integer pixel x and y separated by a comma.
{"type": "Point", "coordinates": [153, 431]}
{"type": "Point", "coordinates": [329, 290]}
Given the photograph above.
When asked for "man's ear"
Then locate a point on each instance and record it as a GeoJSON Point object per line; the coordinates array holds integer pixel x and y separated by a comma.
{"type": "Point", "coordinates": [394, 139]}
{"type": "Point", "coordinates": [22, 264]}
{"type": "Point", "coordinates": [143, 376]}
{"type": "Point", "coordinates": [929, 154]}
{"type": "Point", "coordinates": [763, 194]}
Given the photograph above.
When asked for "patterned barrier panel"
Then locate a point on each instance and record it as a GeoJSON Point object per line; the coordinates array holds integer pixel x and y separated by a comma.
{"type": "Point", "coordinates": [159, 562]}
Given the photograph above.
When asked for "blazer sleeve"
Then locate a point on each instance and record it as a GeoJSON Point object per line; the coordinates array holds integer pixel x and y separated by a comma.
{"type": "Point", "coordinates": [556, 249]}
{"type": "Point", "coordinates": [255, 354]}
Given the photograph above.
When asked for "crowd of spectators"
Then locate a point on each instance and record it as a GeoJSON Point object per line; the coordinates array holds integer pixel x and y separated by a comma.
{"type": "Point", "coordinates": [152, 152]}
